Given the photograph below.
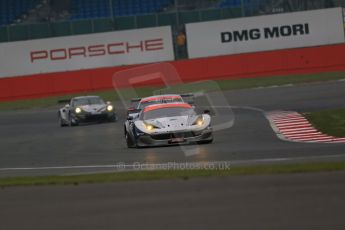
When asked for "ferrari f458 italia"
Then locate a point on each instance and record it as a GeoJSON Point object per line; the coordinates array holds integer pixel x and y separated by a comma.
{"type": "Point", "coordinates": [168, 124]}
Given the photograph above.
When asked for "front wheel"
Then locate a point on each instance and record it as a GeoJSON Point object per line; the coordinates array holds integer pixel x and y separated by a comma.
{"type": "Point", "coordinates": [205, 142]}
{"type": "Point", "coordinates": [113, 118]}
{"type": "Point", "coordinates": [61, 121]}
{"type": "Point", "coordinates": [129, 141]}
{"type": "Point", "coordinates": [72, 122]}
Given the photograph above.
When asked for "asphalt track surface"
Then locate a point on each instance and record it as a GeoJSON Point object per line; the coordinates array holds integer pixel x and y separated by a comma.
{"type": "Point", "coordinates": [293, 201]}
{"type": "Point", "coordinates": [32, 143]}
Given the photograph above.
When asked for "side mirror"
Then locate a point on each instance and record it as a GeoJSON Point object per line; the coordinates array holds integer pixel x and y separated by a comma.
{"type": "Point", "coordinates": [132, 110]}
{"type": "Point", "coordinates": [207, 112]}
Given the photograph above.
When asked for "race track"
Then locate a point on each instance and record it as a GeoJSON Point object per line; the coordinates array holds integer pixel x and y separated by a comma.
{"type": "Point", "coordinates": [270, 202]}
{"type": "Point", "coordinates": [32, 143]}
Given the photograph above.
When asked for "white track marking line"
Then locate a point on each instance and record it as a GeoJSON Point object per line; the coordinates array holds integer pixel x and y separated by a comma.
{"type": "Point", "coordinates": [305, 136]}
{"type": "Point", "coordinates": [285, 118]}
{"type": "Point", "coordinates": [298, 129]}
{"type": "Point", "coordinates": [339, 141]}
{"type": "Point", "coordinates": [59, 167]}
{"type": "Point", "coordinates": [288, 121]}
{"type": "Point", "coordinates": [302, 132]}
{"type": "Point", "coordinates": [291, 122]}
{"type": "Point", "coordinates": [137, 166]}
{"type": "Point", "coordinates": [293, 126]}
{"type": "Point", "coordinates": [132, 167]}
{"type": "Point", "coordinates": [316, 138]}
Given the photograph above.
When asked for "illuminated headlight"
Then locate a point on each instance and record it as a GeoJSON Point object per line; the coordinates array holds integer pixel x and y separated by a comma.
{"type": "Point", "coordinates": [149, 127]}
{"type": "Point", "coordinates": [110, 108]}
{"type": "Point", "coordinates": [77, 110]}
{"type": "Point", "coordinates": [199, 121]}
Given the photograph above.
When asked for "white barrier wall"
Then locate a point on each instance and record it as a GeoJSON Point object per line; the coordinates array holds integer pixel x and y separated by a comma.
{"type": "Point", "coordinates": [86, 51]}
{"type": "Point", "coordinates": [252, 34]}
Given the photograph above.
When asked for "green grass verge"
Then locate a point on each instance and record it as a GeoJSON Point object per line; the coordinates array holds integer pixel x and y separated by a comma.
{"type": "Point", "coordinates": [331, 122]}
{"type": "Point", "coordinates": [280, 80]}
{"type": "Point", "coordinates": [171, 174]}
{"type": "Point", "coordinates": [111, 95]}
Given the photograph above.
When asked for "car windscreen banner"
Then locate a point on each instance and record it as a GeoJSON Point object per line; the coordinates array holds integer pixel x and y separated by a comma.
{"type": "Point", "coordinates": [261, 33]}
{"type": "Point", "coordinates": [86, 51]}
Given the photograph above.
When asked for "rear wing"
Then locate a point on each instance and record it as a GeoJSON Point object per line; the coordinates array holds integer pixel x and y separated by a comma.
{"type": "Point", "coordinates": [188, 98]}
{"type": "Point", "coordinates": [137, 99]}
{"type": "Point", "coordinates": [64, 101]}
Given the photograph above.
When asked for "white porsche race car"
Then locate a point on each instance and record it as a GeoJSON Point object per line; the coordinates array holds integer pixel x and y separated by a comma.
{"type": "Point", "coordinates": [168, 124]}
{"type": "Point", "coordinates": [86, 109]}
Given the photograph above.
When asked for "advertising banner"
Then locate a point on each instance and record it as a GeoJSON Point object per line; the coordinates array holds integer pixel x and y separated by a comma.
{"type": "Point", "coordinates": [261, 33]}
{"type": "Point", "coordinates": [86, 51]}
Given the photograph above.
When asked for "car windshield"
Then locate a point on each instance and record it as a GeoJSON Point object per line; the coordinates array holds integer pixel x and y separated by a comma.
{"type": "Point", "coordinates": [88, 101]}
{"type": "Point", "coordinates": [167, 112]}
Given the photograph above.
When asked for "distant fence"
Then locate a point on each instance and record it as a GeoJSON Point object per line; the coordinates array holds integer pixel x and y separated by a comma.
{"type": "Point", "coordinates": [180, 13]}
{"type": "Point", "coordinates": [56, 29]}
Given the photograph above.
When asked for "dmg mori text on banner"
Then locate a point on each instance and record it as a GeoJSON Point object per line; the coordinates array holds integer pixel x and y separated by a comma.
{"type": "Point", "coordinates": [252, 34]}
{"type": "Point", "coordinates": [86, 51]}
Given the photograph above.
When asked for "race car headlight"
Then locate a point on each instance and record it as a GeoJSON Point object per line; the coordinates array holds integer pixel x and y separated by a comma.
{"type": "Point", "coordinates": [199, 121]}
{"type": "Point", "coordinates": [77, 110]}
{"type": "Point", "coordinates": [110, 108]}
{"type": "Point", "coordinates": [149, 127]}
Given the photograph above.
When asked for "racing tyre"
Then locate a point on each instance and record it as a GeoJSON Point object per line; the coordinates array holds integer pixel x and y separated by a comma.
{"type": "Point", "coordinates": [61, 122]}
{"type": "Point", "coordinates": [205, 142]}
{"type": "Point", "coordinates": [129, 141]}
{"type": "Point", "coordinates": [113, 119]}
{"type": "Point", "coordinates": [72, 122]}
